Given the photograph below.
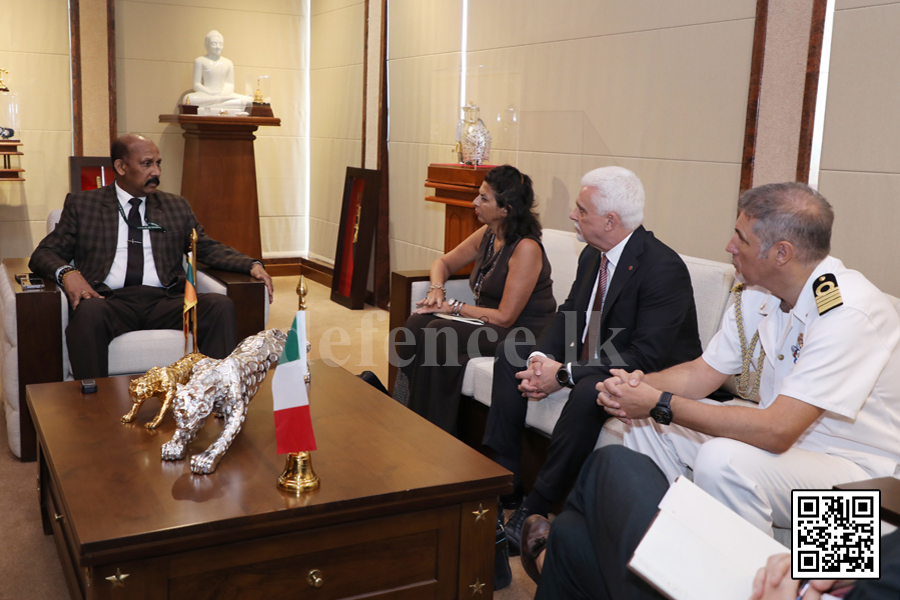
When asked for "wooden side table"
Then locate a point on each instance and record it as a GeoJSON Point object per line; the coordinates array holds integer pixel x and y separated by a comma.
{"type": "Point", "coordinates": [456, 186]}
{"type": "Point", "coordinates": [219, 178]}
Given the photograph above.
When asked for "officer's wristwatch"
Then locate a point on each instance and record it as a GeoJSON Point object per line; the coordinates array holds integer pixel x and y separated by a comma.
{"type": "Point", "coordinates": [662, 412]}
{"type": "Point", "coordinates": [563, 378]}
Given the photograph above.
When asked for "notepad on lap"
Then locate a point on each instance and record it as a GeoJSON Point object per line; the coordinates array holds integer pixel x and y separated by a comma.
{"type": "Point", "coordinates": [698, 548]}
{"type": "Point", "coordinates": [470, 321]}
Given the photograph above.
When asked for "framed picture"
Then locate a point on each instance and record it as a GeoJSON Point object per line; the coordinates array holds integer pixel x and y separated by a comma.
{"type": "Point", "coordinates": [90, 172]}
{"type": "Point", "coordinates": [356, 234]}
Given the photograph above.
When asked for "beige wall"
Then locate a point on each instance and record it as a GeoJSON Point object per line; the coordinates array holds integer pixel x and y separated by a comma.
{"type": "Point", "coordinates": [657, 87]}
{"type": "Point", "coordinates": [34, 48]}
{"type": "Point", "coordinates": [336, 107]}
{"type": "Point", "coordinates": [860, 168]}
{"type": "Point", "coordinates": [156, 44]}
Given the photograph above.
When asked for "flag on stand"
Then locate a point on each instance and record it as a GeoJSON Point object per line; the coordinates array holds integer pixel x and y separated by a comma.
{"type": "Point", "coordinates": [190, 298]}
{"type": "Point", "coordinates": [293, 425]}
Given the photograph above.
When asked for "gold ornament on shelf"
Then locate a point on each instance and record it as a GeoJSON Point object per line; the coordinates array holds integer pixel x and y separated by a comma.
{"type": "Point", "coordinates": [3, 87]}
{"type": "Point", "coordinates": [257, 95]}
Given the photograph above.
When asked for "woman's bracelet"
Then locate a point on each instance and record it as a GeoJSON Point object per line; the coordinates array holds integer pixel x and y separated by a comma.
{"type": "Point", "coordinates": [456, 308]}
{"type": "Point", "coordinates": [436, 286]}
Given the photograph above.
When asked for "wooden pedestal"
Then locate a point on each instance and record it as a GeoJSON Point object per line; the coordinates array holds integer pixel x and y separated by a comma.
{"type": "Point", "coordinates": [219, 178]}
{"type": "Point", "coordinates": [10, 148]}
{"type": "Point", "coordinates": [456, 186]}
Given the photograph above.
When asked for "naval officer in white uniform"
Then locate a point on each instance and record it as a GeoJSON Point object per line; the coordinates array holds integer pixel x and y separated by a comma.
{"type": "Point", "coordinates": [826, 365]}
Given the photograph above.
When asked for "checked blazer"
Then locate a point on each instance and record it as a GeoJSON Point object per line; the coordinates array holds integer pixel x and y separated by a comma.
{"type": "Point", "coordinates": [88, 230]}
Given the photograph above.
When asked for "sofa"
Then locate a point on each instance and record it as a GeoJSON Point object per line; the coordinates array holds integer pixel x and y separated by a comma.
{"type": "Point", "coordinates": [33, 346]}
{"type": "Point", "coordinates": [712, 282]}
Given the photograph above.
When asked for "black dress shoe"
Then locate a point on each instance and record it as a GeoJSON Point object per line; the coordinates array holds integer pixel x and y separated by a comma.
{"type": "Point", "coordinates": [514, 529]}
{"type": "Point", "coordinates": [535, 531]}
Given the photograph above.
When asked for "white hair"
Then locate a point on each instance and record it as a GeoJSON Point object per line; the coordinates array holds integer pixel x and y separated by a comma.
{"type": "Point", "coordinates": [617, 190]}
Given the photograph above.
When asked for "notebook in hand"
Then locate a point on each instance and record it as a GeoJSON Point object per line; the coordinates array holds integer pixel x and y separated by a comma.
{"type": "Point", "coordinates": [698, 548]}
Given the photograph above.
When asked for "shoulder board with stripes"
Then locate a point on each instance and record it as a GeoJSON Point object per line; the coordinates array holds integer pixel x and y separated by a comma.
{"type": "Point", "coordinates": [827, 293]}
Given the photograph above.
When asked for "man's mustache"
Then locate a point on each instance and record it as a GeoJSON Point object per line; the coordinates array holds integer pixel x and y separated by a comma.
{"type": "Point", "coordinates": [154, 180]}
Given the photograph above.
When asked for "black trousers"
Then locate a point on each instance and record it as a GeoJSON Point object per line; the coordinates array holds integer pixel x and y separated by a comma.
{"type": "Point", "coordinates": [97, 321]}
{"type": "Point", "coordinates": [609, 511]}
{"type": "Point", "coordinates": [574, 435]}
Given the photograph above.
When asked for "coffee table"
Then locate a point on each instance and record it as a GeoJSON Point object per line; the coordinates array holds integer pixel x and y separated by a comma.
{"type": "Point", "coordinates": [404, 510]}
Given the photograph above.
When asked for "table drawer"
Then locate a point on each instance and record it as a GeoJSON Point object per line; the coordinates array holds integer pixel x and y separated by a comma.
{"type": "Point", "coordinates": [412, 556]}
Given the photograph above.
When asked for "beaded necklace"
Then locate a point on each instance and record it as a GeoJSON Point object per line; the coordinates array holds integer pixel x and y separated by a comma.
{"type": "Point", "coordinates": [482, 274]}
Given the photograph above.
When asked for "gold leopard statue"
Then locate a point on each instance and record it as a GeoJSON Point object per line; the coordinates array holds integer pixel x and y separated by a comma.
{"type": "Point", "coordinates": [163, 382]}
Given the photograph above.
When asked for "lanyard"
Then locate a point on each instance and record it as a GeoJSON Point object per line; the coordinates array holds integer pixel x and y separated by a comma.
{"type": "Point", "coordinates": [150, 226]}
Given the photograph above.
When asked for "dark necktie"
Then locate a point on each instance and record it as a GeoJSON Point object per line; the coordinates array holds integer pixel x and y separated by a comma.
{"type": "Point", "coordinates": [134, 274]}
{"type": "Point", "coordinates": [590, 344]}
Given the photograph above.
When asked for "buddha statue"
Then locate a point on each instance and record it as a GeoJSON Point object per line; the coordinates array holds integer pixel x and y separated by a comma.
{"type": "Point", "coordinates": [214, 78]}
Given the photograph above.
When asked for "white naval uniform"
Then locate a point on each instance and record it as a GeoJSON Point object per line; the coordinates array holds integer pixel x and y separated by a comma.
{"type": "Point", "coordinates": [849, 365]}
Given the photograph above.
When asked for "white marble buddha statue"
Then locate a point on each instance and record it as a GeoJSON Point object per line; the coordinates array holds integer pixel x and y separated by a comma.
{"type": "Point", "coordinates": [214, 78]}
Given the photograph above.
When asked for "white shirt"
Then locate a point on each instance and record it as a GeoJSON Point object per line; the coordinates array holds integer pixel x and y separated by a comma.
{"type": "Point", "coordinates": [848, 364]}
{"type": "Point", "coordinates": [612, 259]}
{"type": "Point", "coordinates": [116, 277]}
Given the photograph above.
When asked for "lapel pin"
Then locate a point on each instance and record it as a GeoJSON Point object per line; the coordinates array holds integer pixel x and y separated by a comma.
{"type": "Point", "coordinates": [630, 267]}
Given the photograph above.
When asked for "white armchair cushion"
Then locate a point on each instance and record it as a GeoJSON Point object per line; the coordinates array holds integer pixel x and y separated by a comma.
{"type": "Point", "coordinates": [712, 282]}
{"type": "Point", "coordinates": [139, 351]}
{"type": "Point", "coordinates": [563, 250]}
{"type": "Point", "coordinates": [9, 362]}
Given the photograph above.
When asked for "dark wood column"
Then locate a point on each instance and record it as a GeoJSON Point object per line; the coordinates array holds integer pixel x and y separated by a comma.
{"type": "Point", "coordinates": [219, 178]}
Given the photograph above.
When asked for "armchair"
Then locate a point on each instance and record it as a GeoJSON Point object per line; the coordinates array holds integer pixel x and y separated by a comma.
{"type": "Point", "coordinates": [33, 347]}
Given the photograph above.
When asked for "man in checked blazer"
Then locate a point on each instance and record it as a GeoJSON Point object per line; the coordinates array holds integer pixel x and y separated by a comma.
{"type": "Point", "coordinates": [631, 303]}
{"type": "Point", "coordinates": [128, 271]}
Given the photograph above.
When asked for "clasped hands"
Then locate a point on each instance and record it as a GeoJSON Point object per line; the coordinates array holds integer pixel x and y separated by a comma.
{"type": "Point", "coordinates": [627, 396]}
{"type": "Point", "coordinates": [539, 379]}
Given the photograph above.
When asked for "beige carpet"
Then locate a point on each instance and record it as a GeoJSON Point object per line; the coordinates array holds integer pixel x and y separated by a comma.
{"type": "Point", "coordinates": [29, 565]}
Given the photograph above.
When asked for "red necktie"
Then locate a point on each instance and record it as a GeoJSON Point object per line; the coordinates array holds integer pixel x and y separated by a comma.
{"type": "Point", "coordinates": [590, 344]}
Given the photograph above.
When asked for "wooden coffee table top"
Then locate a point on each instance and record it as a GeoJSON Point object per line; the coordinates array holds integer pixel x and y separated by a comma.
{"type": "Point", "coordinates": [374, 458]}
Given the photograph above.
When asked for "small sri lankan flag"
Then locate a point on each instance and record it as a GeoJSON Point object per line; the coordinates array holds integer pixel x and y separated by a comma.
{"type": "Point", "coordinates": [190, 298]}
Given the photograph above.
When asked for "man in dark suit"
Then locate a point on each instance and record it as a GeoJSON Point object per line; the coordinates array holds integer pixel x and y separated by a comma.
{"type": "Point", "coordinates": [128, 271]}
{"type": "Point", "coordinates": [631, 304]}
{"type": "Point", "coordinates": [586, 550]}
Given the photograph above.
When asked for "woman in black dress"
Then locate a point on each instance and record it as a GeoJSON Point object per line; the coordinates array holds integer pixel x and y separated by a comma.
{"type": "Point", "coordinates": [513, 293]}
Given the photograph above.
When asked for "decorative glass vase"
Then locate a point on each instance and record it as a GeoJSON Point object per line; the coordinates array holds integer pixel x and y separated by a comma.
{"type": "Point", "coordinates": [472, 137]}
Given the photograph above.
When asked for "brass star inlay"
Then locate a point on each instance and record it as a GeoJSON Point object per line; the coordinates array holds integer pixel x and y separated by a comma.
{"type": "Point", "coordinates": [118, 579]}
{"type": "Point", "coordinates": [479, 514]}
{"type": "Point", "coordinates": [476, 587]}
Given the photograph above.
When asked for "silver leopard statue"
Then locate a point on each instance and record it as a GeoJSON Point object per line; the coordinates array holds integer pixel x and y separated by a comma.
{"type": "Point", "coordinates": [221, 386]}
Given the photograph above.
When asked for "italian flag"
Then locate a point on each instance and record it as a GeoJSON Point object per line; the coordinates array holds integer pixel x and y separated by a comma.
{"type": "Point", "coordinates": [293, 426]}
